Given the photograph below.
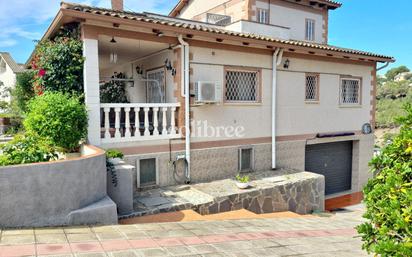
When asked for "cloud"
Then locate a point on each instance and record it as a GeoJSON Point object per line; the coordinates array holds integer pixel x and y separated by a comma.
{"type": "Point", "coordinates": [7, 42]}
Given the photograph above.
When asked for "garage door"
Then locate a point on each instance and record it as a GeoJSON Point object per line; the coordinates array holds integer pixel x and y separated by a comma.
{"type": "Point", "coordinates": [334, 161]}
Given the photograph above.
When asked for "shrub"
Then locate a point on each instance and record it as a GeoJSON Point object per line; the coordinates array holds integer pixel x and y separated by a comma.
{"type": "Point", "coordinates": [58, 63]}
{"type": "Point", "coordinates": [59, 117]}
{"type": "Point", "coordinates": [112, 153]}
{"type": "Point", "coordinates": [23, 92]}
{"type": "Point", "coordinates": [115, 91]}
{"type": "Point", "coordinates": [388, 197]}
{"type": "Point", "coordinates": [27, 148]}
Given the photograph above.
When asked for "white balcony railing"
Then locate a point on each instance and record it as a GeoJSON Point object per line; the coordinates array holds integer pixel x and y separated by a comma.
{"type": "Point", "coordinates": [138, 122]}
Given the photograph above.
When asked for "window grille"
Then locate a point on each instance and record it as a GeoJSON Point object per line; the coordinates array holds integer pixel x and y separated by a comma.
{"type": "Point", "coordinates": [218, 19]}
{"type": "Point", "coordinates": [350, 91]}
{"type": "Point", "coordinates": [242, 86]}
{"type": "Point", "coordinates": [263, 16]}
{"type": "Point", "coordinates": [246, 157]}
{"type": "Point", "coordinates": [310, 29]}
{"type": "Point", "coordinates": [312, 87]}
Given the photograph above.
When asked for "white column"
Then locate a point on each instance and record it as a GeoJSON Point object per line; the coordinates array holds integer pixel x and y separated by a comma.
{"type": "Point", "coordinates": [164, 121]}
{"type": "Point", "coordinates": [117, 133]}
{"type": "Point", "coordinates": [172, 121]}
{"type": "Point", "coordinates": [146, 121]}
{"type": "Point", "coordinates": [127, 132]}
{"type": "Point", "coordinates": [155, 121]}
{"type": "Point", "coordinates": [107, 123]}
{"type": "Point", "coordinates": [91, 89]}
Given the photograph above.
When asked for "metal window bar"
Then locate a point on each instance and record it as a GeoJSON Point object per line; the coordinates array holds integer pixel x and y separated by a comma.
{"type": "Point", "coordinates": [310, 30]}
{"type": "Point", "coordinates": [349, 91]}
{"type": "Point", "coordinates": [218, 19]}
{"type": "Point", "coordinates": [241, 86]}
{"type": "Point", "coordinates": [311, 92]}
{"type": "Point", "coordinates": [263, 16]}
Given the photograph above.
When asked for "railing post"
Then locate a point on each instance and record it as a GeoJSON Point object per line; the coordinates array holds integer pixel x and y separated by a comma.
{"type": "Point", "coordinates": [117, 133]}
{"type": "Point", "coordinates": [164, 121]}
{"type": "Point", "coordinates": [106, 113]}
{"type": "Point", "coordinates": [155, 121]}
{"type": "Point", "coordinates": [137, 121]}
{"type": "Point", "coordinates": [146, 121]}
{"type": "Point", "coordinates": [127, 131]}
{"type": "Point", "coordinates": [172, 121]}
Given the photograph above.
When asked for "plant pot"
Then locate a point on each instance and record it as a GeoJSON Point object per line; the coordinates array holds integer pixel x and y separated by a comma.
{"type": "Point", "coordinates": [241, 185]}
{"type": "Point", "coordinates": [115, 161]}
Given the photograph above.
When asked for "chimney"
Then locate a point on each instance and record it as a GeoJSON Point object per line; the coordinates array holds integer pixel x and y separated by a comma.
{"type": "Point", "coordinates": [117, 5]}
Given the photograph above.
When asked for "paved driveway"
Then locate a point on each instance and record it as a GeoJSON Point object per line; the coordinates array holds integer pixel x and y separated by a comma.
{"type": "Point", "coordinates": [308, 236]}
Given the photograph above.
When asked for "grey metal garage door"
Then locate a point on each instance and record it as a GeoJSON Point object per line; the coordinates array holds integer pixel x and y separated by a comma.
{"type": "Point", "coordinates": [334, 161]}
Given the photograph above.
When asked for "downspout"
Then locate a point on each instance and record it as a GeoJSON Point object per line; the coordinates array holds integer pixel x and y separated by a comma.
{"type": "Point", "coordinates": [277, 59]}
{"type": "Point", "coordinates": [383, 67]}
{"type": "Point", "coordinates": [186, 95]}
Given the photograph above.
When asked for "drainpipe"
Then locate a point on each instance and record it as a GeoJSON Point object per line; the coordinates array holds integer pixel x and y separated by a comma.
{"type": "Point", "coordinates": [185, 82]}
{"type": "Point", "coordinates": [383, 67]}
{"type": "Point", "coordinates": [277, 59]}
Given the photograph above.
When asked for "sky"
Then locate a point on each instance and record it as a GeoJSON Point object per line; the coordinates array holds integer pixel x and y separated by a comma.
{"type": "Point", "coordinates": [378, 26]}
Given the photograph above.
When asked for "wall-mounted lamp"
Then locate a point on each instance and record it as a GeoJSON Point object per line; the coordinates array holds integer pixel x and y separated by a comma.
{"type": "Point", "coordinates": [286, 64]}
{"type": "Point", "coordinates": [169, 67]}
{"type": "Point", "coordinates": [139, 70]}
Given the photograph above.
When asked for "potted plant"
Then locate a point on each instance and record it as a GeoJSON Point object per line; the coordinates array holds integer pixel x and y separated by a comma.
{"type": "Point", "coordinates": [242, 182]}
{"type": "Point", "coordinates": [114, 156]}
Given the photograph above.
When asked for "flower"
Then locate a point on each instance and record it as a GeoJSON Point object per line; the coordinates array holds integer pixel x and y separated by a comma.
{"type": "Point", "coordinates": [42, 72]}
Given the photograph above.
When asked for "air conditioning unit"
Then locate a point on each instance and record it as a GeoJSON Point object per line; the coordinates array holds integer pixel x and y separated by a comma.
{"type": "Point", "coordinates": [207, 92]}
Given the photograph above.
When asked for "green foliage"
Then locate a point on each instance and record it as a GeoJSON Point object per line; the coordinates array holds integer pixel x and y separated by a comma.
{"type": "Point", "coordinates": [391, 96]}
{"type": "Point", "coordinates": [115, 91]}
{"type": "Point", "coordinates": [23, 92]}
{"type": "Point", "coordinates": [59, 117]}
{"type": "Point", "coordinates": [391, 74]}
{"type": "Point", "coordinates": [112, 153]}
{"type": "Point", "coordinates": [27, 148]}
{"type": "Point", "coordinates": [242, 179]}
{"type": "Point", "coordinates": [388, 197]}
{"type": "Point", "coordinates": [58, 64]}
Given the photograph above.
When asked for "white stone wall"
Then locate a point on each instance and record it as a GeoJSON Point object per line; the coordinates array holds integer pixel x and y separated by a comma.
{"type": "Point", "coordinates": [294, 18]}
{"type": "Point", "coordinates": [294, 116]}
{"type": "Point", "coordinates": [198, 7]}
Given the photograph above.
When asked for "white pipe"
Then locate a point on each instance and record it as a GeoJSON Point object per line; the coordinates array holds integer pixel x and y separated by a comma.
{"type": "Point", "coordinates": [277, 59]}
{"type": "Point", "coordinates": [186, 74]}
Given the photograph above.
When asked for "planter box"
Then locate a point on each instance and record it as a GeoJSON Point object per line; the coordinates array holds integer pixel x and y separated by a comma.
{"type": "Point", "coordinates": [59, 193]}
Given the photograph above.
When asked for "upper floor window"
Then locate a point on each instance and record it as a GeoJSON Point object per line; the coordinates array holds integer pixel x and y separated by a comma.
{"type": "Point", "coordinates": [242, 85]}
{"type": "Point", "coordinates": [350, 91]}
{"type": "Point", "coordinates": [263, 16]}
{"type": "Point", "coordinates": [312, 88]}
{"type": "Point", "coordinates": [310, 30]}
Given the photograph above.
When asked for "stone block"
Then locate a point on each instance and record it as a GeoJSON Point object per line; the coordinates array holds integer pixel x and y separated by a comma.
{"type": "Point", "coordinates": [121, 192]}
{"type": "Point", "coordinates": [102, 212]}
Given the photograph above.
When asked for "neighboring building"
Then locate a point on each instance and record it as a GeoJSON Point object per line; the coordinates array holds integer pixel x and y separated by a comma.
{"type": "Point", "coordinates": [262, 69]}
{"type": "Point", "coordinates": [8, 71]}
{"type": "Point", "coordinates": [403, 76]}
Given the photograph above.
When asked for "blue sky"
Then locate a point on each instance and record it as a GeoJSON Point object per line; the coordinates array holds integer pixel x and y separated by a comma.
{"type": "Point", "coordinates": [379, 26]}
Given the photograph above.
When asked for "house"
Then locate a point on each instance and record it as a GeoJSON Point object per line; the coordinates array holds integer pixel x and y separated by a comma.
{"type": "Point", "coordinates": [403, 76]}
{"type": "Point", "coordinates": [225, 86]}
{"type": "Point", "coordinates": [8, 71]}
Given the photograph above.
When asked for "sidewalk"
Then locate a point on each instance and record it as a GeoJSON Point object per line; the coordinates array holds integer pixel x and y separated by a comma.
{"type": "Point", "coordinates": [315, 236]}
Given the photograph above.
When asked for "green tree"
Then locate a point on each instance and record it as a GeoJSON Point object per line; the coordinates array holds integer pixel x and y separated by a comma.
{"type": "Point", "coordinates": [388, 197]}
{"type": "Point", "coordinates": [391, 74]}
{"type": "Point", "coordinates": [23, 92]}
